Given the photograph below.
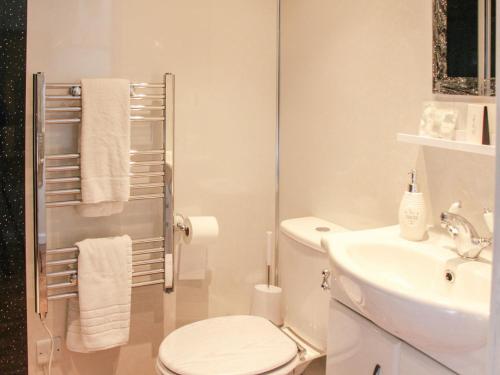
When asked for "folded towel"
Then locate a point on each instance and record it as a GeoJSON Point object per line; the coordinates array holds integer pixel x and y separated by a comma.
{"type": "Point", "coordinates": [100, 317]}
{"type": "Point", "coordinates": [169, 270]}
{"type": "Point", "coordinates": [192, 262]}
{"type": "Point", "coordinates": [104, 146]}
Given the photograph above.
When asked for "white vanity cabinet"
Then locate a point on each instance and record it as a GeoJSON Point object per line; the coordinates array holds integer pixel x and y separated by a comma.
{"type": "Point", "coordinates": [414, 362]}
{"type": "Point", "coordinates": [357, 346]}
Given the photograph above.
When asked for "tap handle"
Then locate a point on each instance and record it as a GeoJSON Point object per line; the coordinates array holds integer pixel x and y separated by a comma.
{"type": "Point", "coordinates": [455, 207]}
{"type": "Point", "coordinates": [489, 219]}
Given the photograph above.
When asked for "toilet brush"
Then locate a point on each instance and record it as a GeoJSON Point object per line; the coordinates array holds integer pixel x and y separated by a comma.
{"type": "Point", "coordinates": [266, 299]}
{"type": "Point", "coordinates": [269, 256]}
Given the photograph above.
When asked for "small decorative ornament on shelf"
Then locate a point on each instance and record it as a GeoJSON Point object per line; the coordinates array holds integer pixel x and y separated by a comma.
{"type": "Point", "coordinates": [467, 127]}
{"type": "Point", "coordinates": [463, 122]}
{"type": "Point", "coordinates": [440, 120]}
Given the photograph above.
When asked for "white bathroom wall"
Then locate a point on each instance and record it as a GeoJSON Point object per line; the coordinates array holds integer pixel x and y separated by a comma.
{"type": "Point", "coordinates": [493, 364]}
{"type": "Point", "coordinates": [354, 74]}
{"type": "Point", "coordinates": [223, 54]}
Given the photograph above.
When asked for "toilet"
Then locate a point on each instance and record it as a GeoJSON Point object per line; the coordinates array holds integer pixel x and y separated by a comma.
{"type": "Point", "coordinates": [252, 345]}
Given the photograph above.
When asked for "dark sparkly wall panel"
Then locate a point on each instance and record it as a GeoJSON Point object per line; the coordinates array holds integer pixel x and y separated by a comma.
{"type": "Point", "coordinates": [13, 341]}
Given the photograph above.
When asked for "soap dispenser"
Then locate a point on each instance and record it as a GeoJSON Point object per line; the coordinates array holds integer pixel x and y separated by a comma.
{"type": "Point", "coordinates": [412, 212]}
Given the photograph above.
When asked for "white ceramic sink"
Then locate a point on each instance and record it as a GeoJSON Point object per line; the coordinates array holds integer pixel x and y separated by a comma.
{"type": "Point", "coordinates": [402, 287]}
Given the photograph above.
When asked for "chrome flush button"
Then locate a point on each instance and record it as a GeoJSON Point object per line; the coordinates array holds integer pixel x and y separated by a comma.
{"type": "Point", "coordinates": [322, 229]}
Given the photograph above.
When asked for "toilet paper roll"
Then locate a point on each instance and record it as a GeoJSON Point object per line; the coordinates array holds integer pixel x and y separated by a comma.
{"type": "Point", "coordinates": [266, 302]}
{"type": "Point", "coordinates": [202, 230]}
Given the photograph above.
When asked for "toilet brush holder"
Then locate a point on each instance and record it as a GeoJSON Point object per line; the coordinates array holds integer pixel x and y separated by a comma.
{"type": "Point", "coordinates": [266, 302]}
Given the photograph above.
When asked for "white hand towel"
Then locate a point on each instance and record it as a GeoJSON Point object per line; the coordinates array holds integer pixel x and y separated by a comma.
{"type": "Point", "coordinates": [100, 318]}
{"type": "Point", "coordinates": [104, 146]}
{"type": "Point", "coordinates": [192, 262]}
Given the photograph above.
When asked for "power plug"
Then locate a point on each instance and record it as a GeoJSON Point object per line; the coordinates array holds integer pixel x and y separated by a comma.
{"type": "Point", "coordinates": [43, 350]}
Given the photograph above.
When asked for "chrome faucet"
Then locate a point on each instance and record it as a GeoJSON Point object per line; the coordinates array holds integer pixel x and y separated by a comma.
{"type": "Point", "coordinates": [469, 243]}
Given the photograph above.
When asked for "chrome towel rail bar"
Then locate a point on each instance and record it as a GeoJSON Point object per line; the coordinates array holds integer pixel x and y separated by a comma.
{"type": "Point", "coordinates": [78, 191]}
{"type": "Point", "coordinates": [77, 202]}
{"type": "Point", "coordinates": [75, 272]}
{"type": "Point", "coordinates": [74, 294]}
{"type": "Point", "coordinates": [136, 85]}
{"type": "Point", "coordinates": [77, 179]}
{"type": "Point", "coordinates": [78, 97]}
{"type": "Point", "coordinates": [134, 242]}
{"type": "Point", "coordinates": [59, 104]}
{"type": "Point", "coordinates": [70, 284]}
{"type": "Point", "coordinates": [133, 107]}
{"type": "Point", "coordinates": [60, 121]}
{"type": "Point", "coordinates": [132, 153]}
{"type": "Point", "coordinates": [67, 168]}
{"type": "Point", "coordinates": [65, 262]}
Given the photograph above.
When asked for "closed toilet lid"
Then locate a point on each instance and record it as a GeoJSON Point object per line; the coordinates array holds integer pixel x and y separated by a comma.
{"type": "Point", "coordinates": [230, 345]}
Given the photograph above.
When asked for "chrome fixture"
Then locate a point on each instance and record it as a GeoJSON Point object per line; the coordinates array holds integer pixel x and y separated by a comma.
{"type": "Point", "coordinates": [179, 224]}
{"type": "Point", "coordinates": [297, 339]}
{"type": "Point", "coordinates": [75, 91]}
{"type": "Point", "coordinates": [58, 105]}
{"type": "Point", "coordinates": [469, 243]}
{"type": "Point", "coordinates": [325, 285]}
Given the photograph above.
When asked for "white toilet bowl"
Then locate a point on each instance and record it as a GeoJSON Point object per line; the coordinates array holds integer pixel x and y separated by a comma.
{"type": "Point", "coordinates": [251, 345]}
{"type": "Point", "coordinates": [232, 345]}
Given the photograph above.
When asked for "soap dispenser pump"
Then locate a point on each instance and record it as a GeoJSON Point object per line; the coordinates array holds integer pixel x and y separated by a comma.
{"type": "Point", "coordinates": [412, 212]}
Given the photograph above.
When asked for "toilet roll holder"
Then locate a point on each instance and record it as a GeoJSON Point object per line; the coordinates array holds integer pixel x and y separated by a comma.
{"type": "Point", "coordinates": [179, 225]}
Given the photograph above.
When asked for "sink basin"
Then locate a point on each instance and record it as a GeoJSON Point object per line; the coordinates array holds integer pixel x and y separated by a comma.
{"type": "Point", "coordinates": [421, 292]}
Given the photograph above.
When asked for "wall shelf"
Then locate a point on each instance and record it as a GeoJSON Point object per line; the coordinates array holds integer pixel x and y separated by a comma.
{"type": "Point", "coordinates": [447, 144]}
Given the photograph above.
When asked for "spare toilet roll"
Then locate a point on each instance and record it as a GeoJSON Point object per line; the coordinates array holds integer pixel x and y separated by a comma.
{"type": "Point", "coordinates": [202, 230]}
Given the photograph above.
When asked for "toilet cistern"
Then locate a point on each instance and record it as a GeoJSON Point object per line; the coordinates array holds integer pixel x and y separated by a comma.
{"type": "Point", "coordinates": [469, 244]}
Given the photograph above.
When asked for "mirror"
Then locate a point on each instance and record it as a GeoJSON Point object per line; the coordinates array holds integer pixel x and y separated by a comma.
{"type": "Point", "coordinates": [464, 47]}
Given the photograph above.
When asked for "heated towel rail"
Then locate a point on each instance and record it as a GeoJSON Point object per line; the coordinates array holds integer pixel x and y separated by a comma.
{"type": "Point", "coordinates": [57, 184]}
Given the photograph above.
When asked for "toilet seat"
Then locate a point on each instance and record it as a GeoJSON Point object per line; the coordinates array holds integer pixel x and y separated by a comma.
{"type": "Point", "coordinates": [230, 345]}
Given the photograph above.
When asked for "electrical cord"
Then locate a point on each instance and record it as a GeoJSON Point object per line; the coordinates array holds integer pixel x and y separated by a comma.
{"type": "Point", "coordinates": [51, 356]}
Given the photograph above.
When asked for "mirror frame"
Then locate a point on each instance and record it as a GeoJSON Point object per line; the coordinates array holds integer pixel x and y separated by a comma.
{"type": "Point", "coordinates": [483, 84]}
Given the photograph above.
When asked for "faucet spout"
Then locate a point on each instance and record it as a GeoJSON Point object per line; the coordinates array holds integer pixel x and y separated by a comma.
{"type": "Point", "coordinates": [468, 242]}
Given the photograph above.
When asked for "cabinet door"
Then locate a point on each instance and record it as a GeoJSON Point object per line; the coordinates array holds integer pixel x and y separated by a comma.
{"type": "Point", "coordinates": [357, 346]}
{"type": "Point", "coordinates": [414, 362]}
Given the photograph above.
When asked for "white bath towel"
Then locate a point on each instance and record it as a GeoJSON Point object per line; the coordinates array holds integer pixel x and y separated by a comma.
{"type": "Point", "coordinates": [104, 146]}
{"type": "Point", "coordinates": [100, 318]}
